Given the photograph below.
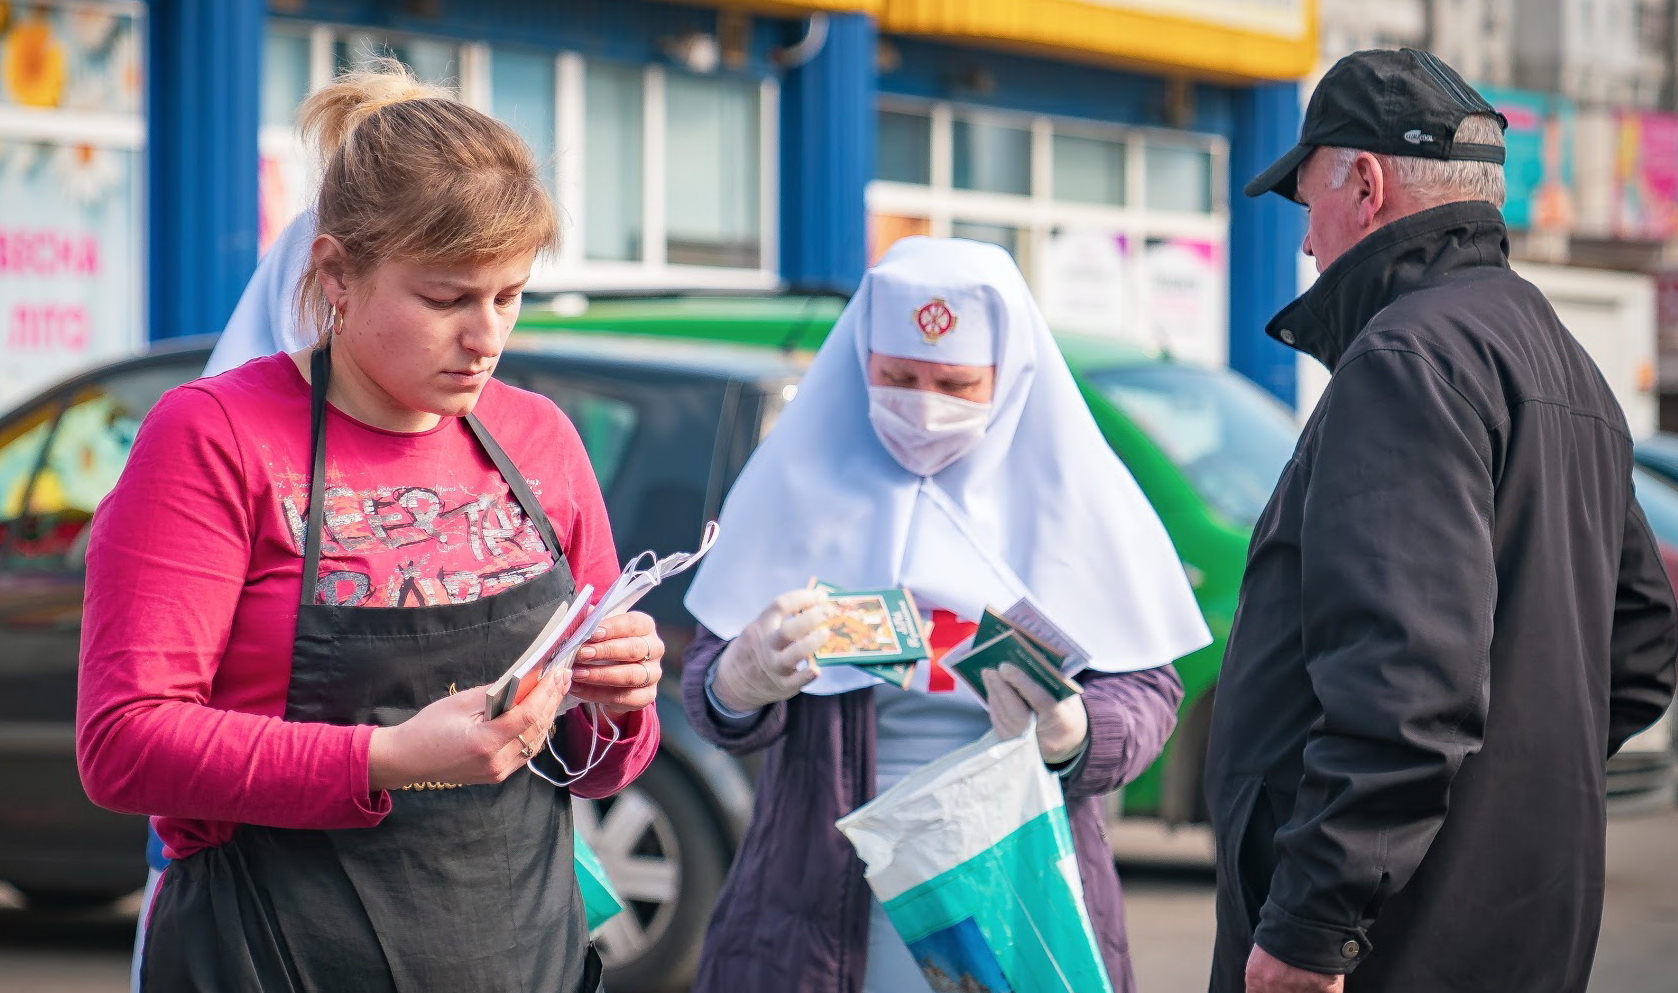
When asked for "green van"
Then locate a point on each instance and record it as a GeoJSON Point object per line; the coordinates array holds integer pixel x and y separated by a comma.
{"type": "Point", "coordinates": [1205, 445]}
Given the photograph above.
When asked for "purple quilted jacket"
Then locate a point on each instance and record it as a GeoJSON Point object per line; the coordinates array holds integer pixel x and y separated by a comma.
{"type": "Point", "coordinates": [793, 913]}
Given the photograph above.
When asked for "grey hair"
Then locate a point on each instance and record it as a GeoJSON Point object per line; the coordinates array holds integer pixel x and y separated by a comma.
{"type": "Point", "coordinates": [1437, 181]}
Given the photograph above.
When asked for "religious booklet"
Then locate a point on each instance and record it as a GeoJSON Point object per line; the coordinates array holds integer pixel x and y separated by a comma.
{"type": "Point", "coordinates": [999, 641]}
{"type": "Point", "coordinates": [877, 631]}
{"type": "Point", "coordinates": [557, 644]}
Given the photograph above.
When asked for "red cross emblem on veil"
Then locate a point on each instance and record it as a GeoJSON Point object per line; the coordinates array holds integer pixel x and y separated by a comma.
{"type": "Point", "coordinates": [935, 320]}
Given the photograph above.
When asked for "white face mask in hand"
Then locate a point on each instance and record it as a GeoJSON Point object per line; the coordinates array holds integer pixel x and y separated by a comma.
{"type": "Point", "coordinates": [925, 431]}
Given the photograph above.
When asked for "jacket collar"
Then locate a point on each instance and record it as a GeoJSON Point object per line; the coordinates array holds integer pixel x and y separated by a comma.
{"type": "Point", "coordinates": [1408, 253]}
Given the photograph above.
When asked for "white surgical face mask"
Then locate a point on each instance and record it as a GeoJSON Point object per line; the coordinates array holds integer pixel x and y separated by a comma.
{"type": "Point", "coordinates": [925, 431]}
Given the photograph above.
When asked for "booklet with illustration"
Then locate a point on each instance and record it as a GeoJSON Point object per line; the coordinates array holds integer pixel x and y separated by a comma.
{"type": "Point", "coordinates": [557, 644]}
{"type": "Point", "coordinates": [877, 631]}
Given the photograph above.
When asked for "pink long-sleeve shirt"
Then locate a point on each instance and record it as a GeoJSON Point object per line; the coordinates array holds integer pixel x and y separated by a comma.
{"type": "Point", "coordinates": [193, 582]}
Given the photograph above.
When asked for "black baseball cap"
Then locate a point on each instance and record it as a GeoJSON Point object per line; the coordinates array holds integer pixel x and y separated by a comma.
{"type": "Point", "coordinates": [1404, 102]}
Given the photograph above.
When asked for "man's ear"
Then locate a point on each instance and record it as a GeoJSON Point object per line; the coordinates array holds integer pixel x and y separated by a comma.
{"type": "Point", "coordinates": [1371, 182]}
{"type": "Point", "coordinates": [331, 268]}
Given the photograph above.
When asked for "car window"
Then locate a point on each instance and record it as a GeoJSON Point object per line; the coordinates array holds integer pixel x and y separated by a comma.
{"type": "Point", "coordinates": [1660, 505]}
{"type": "Point", "coordinates": [1229, 438]}
{"type": "Point", "coordinates": [85, 453]}
{"type": "Point", "coordinates": [605, 422]}
{"type": "Point", "coordinates": [21, 445]}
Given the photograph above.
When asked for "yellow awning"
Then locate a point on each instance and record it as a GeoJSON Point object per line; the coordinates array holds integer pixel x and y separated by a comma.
{"type": "Point", "coordinates": [1239, 39]}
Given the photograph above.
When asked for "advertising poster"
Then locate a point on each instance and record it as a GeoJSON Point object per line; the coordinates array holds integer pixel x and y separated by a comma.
{"type": "Point", "coordinates": [1646, 175]}
{"type": "Point", "coordinates": [70, 228]}
{"type": "Point", "coordinates": [1539, 166]}
{"type": "Point", "coordinates": [1182, 299]}
{"type": "Point", "coordinates": [1084, 281]}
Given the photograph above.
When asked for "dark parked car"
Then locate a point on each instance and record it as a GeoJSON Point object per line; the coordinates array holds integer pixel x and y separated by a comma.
{"type": "Point", "coordinates": [668, 425]}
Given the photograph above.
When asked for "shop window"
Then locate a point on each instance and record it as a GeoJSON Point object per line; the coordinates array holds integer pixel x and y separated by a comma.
{"type": "Point", "coordinates": [1089, 170]}
{"type": "Point", "coordinates": [1001, 235]}
{"type": "Point", "coordinates": [1179, 178]}
{"type": "Point", "coordinates": [712, 149]}
{"type": "Point", "coordinates": [905, 148]}
{"type": "Point", "coordinates": [614, 98]}
{"type": "Point", "coordinates": [522, 94]}
{"type": "Point", "coordinates": [285, 76]}
{"type": "Point", "coordinates": [662, 174]}
{"type": "Point", "coordinates": [991, 157]}
{"type": "Point", "coordinates": [1119, 231]}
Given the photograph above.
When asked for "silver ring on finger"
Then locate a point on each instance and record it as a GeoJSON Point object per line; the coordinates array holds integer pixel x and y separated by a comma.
{"type": "Point", "coordinates": [525, 748]}
{"type": "Point", "coordinates": [646, 675]}
{"type": "Point", "coordinates": [646, 650]}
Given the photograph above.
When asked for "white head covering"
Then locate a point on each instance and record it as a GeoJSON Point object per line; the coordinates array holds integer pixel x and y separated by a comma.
{"type": "Point", "coordinates": [1042, 507]}
{"type": "Point", "coordinates": [266, 320]}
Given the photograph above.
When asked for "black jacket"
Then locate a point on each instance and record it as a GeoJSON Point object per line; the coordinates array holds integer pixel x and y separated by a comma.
{"type": "Point", "coordinates": [1453, 613]}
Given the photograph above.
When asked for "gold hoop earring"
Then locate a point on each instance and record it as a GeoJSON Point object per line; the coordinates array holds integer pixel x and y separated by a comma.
{"type": "Point", "coordinates": [337, 321]}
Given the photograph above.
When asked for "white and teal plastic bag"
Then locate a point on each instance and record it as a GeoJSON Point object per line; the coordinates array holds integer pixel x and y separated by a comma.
{"type": "Point", "coordinates": [972, 858]}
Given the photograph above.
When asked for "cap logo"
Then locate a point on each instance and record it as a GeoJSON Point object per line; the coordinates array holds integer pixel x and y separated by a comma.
{"type": "Point", "coordinates": [935, 320]}
{"type": "Point", "coordinates": [1416, 136]}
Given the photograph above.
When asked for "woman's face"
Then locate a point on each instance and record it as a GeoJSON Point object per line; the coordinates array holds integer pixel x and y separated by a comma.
{"type": "Point", "coordinates": [420, 342]}
{"type": "Point", "coordinates": [975, 383]}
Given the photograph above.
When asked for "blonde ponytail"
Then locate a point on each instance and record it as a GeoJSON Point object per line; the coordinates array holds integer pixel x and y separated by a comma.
{"type": "Point", "coordinates": [330, 113]}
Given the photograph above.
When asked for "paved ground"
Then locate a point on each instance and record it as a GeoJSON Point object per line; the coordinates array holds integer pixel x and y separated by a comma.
{"type": "Point", "coordinates": [1168, 879]}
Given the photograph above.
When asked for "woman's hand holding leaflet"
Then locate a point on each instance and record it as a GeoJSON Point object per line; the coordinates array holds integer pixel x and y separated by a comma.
{"type": "Point", "coordinates": [620, 667]}
{"type": "Point", "coordinates": [767, 662]}
{"type": "Point", "coordinates": [450, 742]}
{"type": "Point", "coordinates": [1062, 725]}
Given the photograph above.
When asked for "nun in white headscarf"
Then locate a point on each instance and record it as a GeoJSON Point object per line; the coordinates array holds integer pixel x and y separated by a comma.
{"type": "Point", "coordinates": [938, 443]}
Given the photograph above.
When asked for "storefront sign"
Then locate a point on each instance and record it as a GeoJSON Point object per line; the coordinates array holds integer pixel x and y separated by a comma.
{"type": "Point", "coordinates": [1646, 175]}
{"type": "Point", "coordinates": [1539, 166]}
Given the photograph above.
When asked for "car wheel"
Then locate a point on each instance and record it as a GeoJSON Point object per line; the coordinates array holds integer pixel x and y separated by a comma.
{"type": "Point", "coordinates": [665, 855]}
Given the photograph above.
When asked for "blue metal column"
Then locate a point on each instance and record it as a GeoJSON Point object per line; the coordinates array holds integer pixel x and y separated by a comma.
{"type": "Point", "coordinates": [827, 158]}
{"type": "Point", "coordinates": [204, 85]}
{"type": "Point", "coordinates": [1264, 238]}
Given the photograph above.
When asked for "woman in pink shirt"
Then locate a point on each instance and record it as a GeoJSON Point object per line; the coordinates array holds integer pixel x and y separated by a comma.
{"type": "Point", "coordinates": [313, 564]}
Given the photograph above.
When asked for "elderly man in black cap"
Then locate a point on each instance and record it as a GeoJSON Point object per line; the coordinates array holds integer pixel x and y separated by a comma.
{"type": "Point", "coordinates": [1453, 611]}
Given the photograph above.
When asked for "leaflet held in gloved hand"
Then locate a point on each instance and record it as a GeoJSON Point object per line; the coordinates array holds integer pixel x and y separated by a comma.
{"type": "Point", "coordinates": [556, 646]}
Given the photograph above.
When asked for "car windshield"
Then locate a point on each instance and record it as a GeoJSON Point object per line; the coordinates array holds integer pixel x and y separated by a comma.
{"type": "Point", "coordinates": [1229, 438]}
{"type": "Point", "coordinates": [1660, 504]}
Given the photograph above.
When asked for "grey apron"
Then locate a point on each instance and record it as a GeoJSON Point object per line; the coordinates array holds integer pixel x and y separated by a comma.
{"type": "Point", "coordinates": [459, 888]}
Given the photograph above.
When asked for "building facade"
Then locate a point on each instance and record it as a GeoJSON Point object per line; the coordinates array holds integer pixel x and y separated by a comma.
{"type": "Point", "coordinates": [750, 145]}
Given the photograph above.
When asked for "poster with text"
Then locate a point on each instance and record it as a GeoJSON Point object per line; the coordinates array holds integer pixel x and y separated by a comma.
{"type": "Point", "coordinates": [69, 261]}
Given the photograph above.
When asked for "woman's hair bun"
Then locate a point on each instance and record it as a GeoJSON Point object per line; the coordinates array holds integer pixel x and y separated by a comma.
{"type": "Point", "coordinates": [330, 113]}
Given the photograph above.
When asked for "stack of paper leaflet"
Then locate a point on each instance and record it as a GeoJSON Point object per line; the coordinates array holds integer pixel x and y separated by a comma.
{"type": "Point", "coordinates": [552, 649]}
{"type": "Point", "coordinates": [1025, 639]}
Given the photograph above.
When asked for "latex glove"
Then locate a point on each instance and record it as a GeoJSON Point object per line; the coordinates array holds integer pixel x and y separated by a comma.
{"type": "Point", "coordinates": [770, 660]}
{"type": "Point", "coordinates": [1061, 726]}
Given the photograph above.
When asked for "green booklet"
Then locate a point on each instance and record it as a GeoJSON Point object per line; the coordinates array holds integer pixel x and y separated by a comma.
{"type": "Point", "coordinates": [878, 631]}
{"type": "Point", "coordinates": [1011, 646]}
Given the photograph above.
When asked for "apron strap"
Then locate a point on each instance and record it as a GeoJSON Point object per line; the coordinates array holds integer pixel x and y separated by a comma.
{"type": "Point", "coordinates": [320, 370]}
{"type": "Point", "coordinates": [516, 483]}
